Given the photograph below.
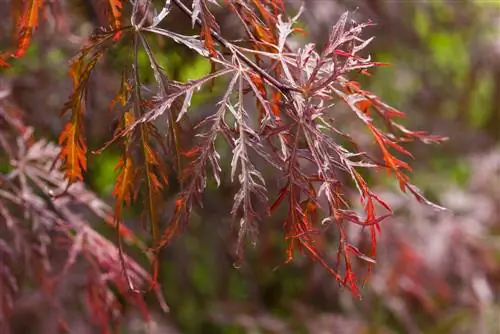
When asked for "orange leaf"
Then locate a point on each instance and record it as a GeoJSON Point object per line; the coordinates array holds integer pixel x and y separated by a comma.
{"type": "Point", "coordinates": [124, 185]}
{"type": "Point", "coordinates": [123, 190]}
{"type": "Point", "coordinates": [116, 13]}
{"type": "Point", "coordinates": [364, 106]}
{"type": "Point", "coordinates": [180, 214]}
{"type": "Point", "coordinates": [72, 141]}
{"type": "Point", "coordinates": [73, 151]}
{"type": "Point", "coordinates": [207, 24]}
{"type": "Point", "coordinates": [276, 99]}
{"type": "Point", "coordinates": [28, 22]}
{"type": "Point", "coordinates": [122, 95]}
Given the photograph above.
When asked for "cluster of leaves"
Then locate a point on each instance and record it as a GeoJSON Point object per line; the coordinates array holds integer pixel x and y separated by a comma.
{"type": "Point", "coordinates": [26, 14]}
{"type": "Point", "coordinates": [37, 227]}
{"type": "Point", "coordinates": [278, 106]}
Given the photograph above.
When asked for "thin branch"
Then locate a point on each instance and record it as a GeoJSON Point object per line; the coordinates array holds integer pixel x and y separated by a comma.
{"type": "Point", "coordinates": [284, 89]}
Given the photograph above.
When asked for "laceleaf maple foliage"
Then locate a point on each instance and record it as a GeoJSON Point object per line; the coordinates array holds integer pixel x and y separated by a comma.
{"type": "Point", "coordinates": [36, 226]}
{"type": "Point", "coordinates": [278, 105]}
{"type": "Point", "coordinates": [26, 15]}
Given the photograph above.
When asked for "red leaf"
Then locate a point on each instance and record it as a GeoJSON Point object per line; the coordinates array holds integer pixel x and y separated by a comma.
{"type": "Point", "coordinates": [3, 63]}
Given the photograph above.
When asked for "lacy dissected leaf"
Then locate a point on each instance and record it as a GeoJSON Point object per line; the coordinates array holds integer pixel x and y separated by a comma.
{"type": "Point", "coordinates": [123, 191]}
{"type": "Point", "coordinates": [261, 27]}
{"type": "Point", "coordinates": [300, 234]}
{"type": "Point", "coordinates": [252, 183]}
{"type": "Point", "coordinates": [208, 23]}
{"type": "Point", "coordinates": [25, 15]}
{"type": "Point", "coordinates": [175, 109]}
{"type": "Point", "coordinates": [392, 162]}
{"type": "Point", "coordinates": [46, 226]}
{"type": "Point", "coordinates": [194, 174]}
{"type": "Point", "coordinates": [368, 198]}
{"type": "Point", "coordinates": [72, 139]}
{"type": "Point", "coordinates": [367, 106]}
{"type": "Point", "coordinates": [261, 30]}
{"type": "Point", "coordinates": [303, 214]}
{"type": "Point", "coordinates": [154, 178]}
{"type": "Point", "coordinates": [73, 149]}
{"type": "Point", "coordinates": [180, 216]}
{"type": "Point", "coordinates": [261, 92]}
{"type": "Point", "coordinates": [300, 225]}
{"type": "Point", "coordinates": [123, 95]}
{"type": "Point", "coordinates": [28, 22]}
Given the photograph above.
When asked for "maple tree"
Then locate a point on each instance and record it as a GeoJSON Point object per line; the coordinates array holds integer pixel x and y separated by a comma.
{"type": "Point", "coordinates": [278, 105]}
